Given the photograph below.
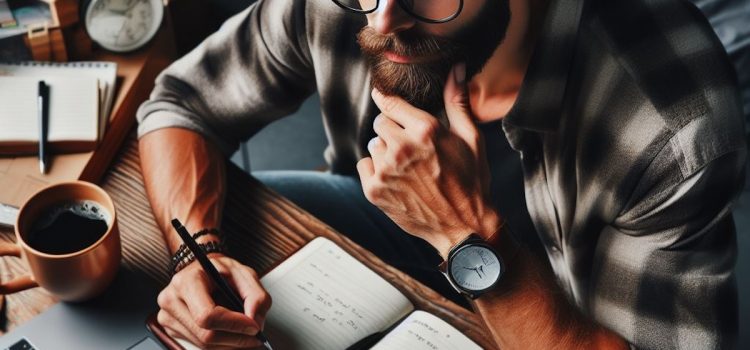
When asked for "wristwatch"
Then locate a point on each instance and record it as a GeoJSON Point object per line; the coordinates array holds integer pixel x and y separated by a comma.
{"type": "Point", "coordinates": [473, 266]}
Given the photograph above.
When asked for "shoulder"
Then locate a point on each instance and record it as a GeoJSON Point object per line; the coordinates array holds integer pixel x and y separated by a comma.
{"type": "Point", "coordinates": [670, 52]}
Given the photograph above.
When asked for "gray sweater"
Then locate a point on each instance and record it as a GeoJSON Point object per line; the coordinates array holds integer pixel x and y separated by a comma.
{"type": "Point", "coordinates": [260, 66]}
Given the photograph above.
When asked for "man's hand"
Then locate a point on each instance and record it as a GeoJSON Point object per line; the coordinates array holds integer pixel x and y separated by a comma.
{"type": "Point", "coordinates": [430, 180]}
{"type": "Point", "coordinates": [189, 312]}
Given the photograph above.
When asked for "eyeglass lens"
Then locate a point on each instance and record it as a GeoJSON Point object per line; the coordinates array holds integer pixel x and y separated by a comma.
{"type": "Point", "coordinates": [429, 9]}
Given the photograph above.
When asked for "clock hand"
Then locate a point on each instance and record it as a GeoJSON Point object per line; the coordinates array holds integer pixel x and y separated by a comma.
{"type": "Point", "coordinates": [473, 269]}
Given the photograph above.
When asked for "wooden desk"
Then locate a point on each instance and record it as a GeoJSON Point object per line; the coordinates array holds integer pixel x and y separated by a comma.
{"type": "Point", "coordinates": [261, 226]}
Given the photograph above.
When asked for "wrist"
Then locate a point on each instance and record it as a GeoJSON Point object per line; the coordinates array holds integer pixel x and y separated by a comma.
{"type": "Point", "coordinates": [209, 240]}
{"type": "Point", "coordinates": [487, 227]}
{"type": "Point", "coordinates": [490, 225]}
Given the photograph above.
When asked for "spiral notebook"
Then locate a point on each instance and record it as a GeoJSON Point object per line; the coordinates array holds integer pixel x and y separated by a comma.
{"type": "Point", "coordinates": [81, 96]}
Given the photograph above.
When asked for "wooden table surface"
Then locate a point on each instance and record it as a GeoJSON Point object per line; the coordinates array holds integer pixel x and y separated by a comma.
{"type": "Point", "coordinates": [262, 229]}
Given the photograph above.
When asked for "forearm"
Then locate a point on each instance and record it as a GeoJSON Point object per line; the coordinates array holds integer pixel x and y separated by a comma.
{"type": "Point", "coordinates": [530, 311]}
{"type": "Point", "coordinates": [185, 178]}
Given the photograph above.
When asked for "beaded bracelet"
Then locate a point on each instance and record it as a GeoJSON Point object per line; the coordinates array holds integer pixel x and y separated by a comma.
{"type": "Point", "coordinates": [183, 252]}
{"type": "Point", "coordinates": [179, 263]}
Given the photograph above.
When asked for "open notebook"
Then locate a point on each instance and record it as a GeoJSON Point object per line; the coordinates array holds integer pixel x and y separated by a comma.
{"type": "Point", "coordinates": [323, 298]}
{"type": "Point", "coordinates": [80, 100]}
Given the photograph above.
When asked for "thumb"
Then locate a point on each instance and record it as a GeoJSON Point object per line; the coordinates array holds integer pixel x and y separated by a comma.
{"type": "Point", "coordinates": [456, 98]}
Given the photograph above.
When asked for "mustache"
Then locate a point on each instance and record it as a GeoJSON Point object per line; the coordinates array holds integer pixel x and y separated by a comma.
{"type": "Point", "coordinates": [407, 43]}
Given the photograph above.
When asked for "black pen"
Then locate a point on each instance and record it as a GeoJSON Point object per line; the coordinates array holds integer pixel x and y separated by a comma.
{"type": "Point", "coordinates": [40, 102]}
{"type": "Point", "coordinates": [220, 282]}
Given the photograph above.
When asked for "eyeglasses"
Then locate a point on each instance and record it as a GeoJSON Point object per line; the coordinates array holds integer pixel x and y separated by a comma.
{"type": "Point", "coordinates": [430, 11]}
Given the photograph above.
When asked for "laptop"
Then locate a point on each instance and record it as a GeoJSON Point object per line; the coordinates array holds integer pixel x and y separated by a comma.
{"type": "Point", "coordinates": [115, 320]}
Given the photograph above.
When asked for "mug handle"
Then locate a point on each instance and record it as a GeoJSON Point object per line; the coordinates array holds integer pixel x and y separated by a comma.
{"type": "Point", "coordinates": [19, 283]}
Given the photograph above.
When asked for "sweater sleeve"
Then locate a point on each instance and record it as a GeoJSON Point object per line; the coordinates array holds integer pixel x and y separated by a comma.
{"type": "Point", "coordinates": [255, 69]}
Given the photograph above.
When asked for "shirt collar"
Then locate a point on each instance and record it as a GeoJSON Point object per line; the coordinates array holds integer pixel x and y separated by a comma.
{"type": "Point", "coordinates": [540, 98]}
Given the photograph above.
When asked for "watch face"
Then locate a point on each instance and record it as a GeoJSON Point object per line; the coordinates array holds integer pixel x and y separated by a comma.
{"type": "Point", "coordinates": [123, 25]}
{"type": "Point", "coordinates": [475, 268]}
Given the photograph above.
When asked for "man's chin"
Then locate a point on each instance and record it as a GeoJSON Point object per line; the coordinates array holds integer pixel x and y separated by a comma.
{"type": "Point", "coordinates": [419, 84]}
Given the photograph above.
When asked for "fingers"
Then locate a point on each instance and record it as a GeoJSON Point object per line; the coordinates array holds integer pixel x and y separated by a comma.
{"type": "Point", "coordinates": [457, 107]}
{"type": "Point", "coordinates": [175, 328]}
{"type": "Point", "coordinates": [204, 310]}
{"type": "Point", "coordinates": [366, 170]}
{"type": "Point", "coordinates": [400, 111]}
{"type": "Point", "coordinates": [393, 149]}
{"type": "Point", "coordinates": [176, 319]}
{"type": "Point", "coordinates": [391, 132]}
{"type": "Point", "coordinates": [188, 309]}
{"type": "Point", "coordinates": [256, 301]}
{"type": "Point", "coordinates": [376, 146]}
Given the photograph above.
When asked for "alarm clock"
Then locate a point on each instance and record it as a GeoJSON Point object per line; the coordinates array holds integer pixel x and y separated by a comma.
{"type": "Point", "coordinates": [122, 25]}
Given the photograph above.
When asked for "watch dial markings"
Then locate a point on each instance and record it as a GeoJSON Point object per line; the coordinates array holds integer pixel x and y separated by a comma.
{"type": "Point", "coordinates": [475, 268]}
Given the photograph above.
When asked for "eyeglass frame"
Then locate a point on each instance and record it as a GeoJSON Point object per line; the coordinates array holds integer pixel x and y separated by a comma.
{"type": "Point", "coordinates": [406, 9]}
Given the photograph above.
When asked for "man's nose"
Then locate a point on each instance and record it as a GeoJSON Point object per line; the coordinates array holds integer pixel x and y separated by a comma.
{"type": "Point", "coordinates": [391, 18]}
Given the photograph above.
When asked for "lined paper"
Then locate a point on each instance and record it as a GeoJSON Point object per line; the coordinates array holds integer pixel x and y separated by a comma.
{"type": "Point", "coordinates": [323, 298]}
{"type": "Point", "coordinates": [424, 331]}
{"type": "Point", "coordinates": [104, 72]}
{"type": "Point", "coordinates": [73, 109]}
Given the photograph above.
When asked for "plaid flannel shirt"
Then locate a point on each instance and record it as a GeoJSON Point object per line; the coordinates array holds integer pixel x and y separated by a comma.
{"type": "Point", "coordinates": [628, 125]}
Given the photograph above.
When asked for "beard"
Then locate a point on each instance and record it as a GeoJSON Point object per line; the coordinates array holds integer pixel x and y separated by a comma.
{"type": "Point", "coordinates": [422, 83]}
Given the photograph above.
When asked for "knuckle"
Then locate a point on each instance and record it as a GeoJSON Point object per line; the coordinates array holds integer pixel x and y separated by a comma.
{"type": "Point", "coordinates": [402, 152]}
{"type": "Point", "coordinates": [162, 317]}
{"type": "Point", "coordinates": [182, 277]}
{"type": "Point", "coordinates": [166, 299]}
{"type": "Point", "coordinates": [377, 123]}
{"type": "Point", "coordinates": [427, 130]}
{"type": "Point", "coordinates": [205, 318]}
{"type": "Point", "coordinates": [206, 336]}
{"type": "Point", "coordinates": [382, 178]}
{"type": "Point", "coordinates": [389, 103]}
{"type": "Point", "coordinates": [265, 300]}
{"type": "Point", "coordinates": [163, 299]}
{"type": "Point", "coordinates": [373, 193]}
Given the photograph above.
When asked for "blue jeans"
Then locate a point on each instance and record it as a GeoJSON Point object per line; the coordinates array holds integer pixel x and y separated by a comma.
{"type": "Point", "coordinates": [338, 201]}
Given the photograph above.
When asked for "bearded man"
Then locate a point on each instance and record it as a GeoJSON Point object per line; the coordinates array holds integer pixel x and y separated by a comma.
{"type": "Point", "coordinates": [609, 132]}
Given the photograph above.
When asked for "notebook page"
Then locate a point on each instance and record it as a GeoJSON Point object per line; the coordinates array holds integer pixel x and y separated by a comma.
{"type": "Point", "coordinates": [424, 331]}
{"type": "Point", "coordinates": [73, 109]}
{"type": "Point", "coordinates": [187, 345]}
{"type": "Point", "coordinates": [104, 72]}
{"type": "Point", "coordinates": [323, 298]}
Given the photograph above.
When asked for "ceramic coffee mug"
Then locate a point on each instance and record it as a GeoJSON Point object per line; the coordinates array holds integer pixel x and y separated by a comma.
{"type": "Point", "coordinates": [75, 276]}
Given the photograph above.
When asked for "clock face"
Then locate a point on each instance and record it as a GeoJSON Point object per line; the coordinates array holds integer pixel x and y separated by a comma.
{"type": "Point", "coordinates": [123, 25]}
{"type": "Point", "coordinates": [475, 268]}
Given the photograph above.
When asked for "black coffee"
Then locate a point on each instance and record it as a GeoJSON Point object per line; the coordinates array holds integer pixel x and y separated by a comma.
{"type": "Point", "coordinates": [68, 228]}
